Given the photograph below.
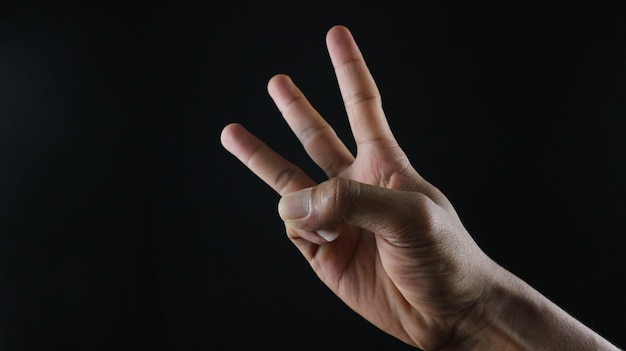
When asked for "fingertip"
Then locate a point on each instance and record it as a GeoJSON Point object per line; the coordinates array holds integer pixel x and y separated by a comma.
{"type": "Point", "coordinates": [230, 133]}
{"type": "Point", "coordinates": [338, 35]}
{"type": "Point", "coordinates": [282, 89]}
{"type": "Point", "coordinates": [278, 80]}
{"type": "Point", "coordinates": [337, 29]}
{"type": "Point", "coordinates": [227, 132]}
{"type": "Point", "coordinates": [341, 45]}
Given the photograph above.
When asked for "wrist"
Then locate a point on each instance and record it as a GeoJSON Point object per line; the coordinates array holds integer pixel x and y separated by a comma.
{"type": "Point", "coordinates": [513, 316]}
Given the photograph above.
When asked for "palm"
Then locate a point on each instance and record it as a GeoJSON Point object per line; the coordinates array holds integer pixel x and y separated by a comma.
{"type": "Point", "coordinates": [357, 266]}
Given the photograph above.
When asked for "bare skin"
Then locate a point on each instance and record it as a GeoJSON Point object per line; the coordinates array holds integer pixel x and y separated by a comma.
{"type": "Point", "coordinates": [387, 242]}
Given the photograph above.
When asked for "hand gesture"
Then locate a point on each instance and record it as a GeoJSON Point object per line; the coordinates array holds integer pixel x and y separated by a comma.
{"type": "Point", "coordinates": [386, 241]}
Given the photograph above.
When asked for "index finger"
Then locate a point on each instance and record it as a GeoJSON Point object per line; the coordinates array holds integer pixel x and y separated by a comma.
{"type": "Point", "coordinates": [280, 174]}
{"type": "Point", "coordinates": [358, 89]}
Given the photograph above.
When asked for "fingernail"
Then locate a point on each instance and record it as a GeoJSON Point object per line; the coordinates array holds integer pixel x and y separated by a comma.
{"type": "Point", "coordinates": [328, 234]}
{"type": "Point", "coordinates": [295, 205]}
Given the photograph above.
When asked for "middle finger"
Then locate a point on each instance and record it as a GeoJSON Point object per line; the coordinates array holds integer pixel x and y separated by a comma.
{"type": "Point", "coordinates": [318, 138]}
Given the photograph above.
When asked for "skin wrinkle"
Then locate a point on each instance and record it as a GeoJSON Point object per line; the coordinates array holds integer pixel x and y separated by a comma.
{"type": "Point", "coordinates": [380, 139]}
{"type": "Point", "coordinates": [335, 167]}
{"type": "Point", "coordinates": [478, 303]}
{"type": "Point", "coordinates": [338, 206]}
{"type": "Point", "coordinates": [389, 291]}
{"type": "Point", "coordinates": [311, 249]}
{"type": "Point", "coordinates": [341, 290]}
{"type": "Point", "coordinates": [284, 178]}
{"type": "Point", "coordinates": [253, 153]}
{"type": "Point", "coordinates": [351, 62]}
{"type": "Point", "coordinates": [423, 261]}
{"type": "Point", "coordinates": [398, 179]}
{"type": "Point", "coordinates": [416, 209]}
{"type": "Point", "coordinates": [311, 132]}
{"type": "Point", "coordinates": [336, 164]}
{"type": "Point", "coordinates": [366, 95]}
{"type": "Point", "coordinates": [361, 97]}
{"type": "Point", "coordinates": [290, 103]}
{"type": "Point", "coordinates": [384, 179]}
{"type": "Point", "coordinates": [343, 68]}
{"type": "Point", "coordinates": [357, 123]}
{"type": "Point", "coordinates": [403, 307]}
{"type": "Point", "coordinates": [351, 192]}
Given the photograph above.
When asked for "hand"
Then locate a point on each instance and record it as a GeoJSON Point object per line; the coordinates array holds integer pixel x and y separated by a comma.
{"type": "Point", "coordinates": [402, 254]}
{"type": "Point", "coordinates": [382, 238]}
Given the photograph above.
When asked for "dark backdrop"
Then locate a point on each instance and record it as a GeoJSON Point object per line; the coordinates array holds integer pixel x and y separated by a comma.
{"type": "Point", "coordinates": [124, 225]}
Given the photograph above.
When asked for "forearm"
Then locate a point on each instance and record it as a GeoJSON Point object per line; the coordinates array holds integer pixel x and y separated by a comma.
{"type": "Point", "coordinates": [517, 317]}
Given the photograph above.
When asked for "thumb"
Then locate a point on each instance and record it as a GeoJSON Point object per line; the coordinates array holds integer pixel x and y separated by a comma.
{"type": "Point", "coordinates": [396, 215]}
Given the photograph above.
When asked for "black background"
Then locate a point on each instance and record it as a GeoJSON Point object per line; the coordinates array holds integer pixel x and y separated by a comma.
{"type": "Point", "coordinates": [124, 224]}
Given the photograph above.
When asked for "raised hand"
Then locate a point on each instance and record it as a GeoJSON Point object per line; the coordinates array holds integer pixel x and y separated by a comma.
{"type": "Point", "coordinates": [394, 257]}
{"type": "Point", "coordinates": [382, 238]}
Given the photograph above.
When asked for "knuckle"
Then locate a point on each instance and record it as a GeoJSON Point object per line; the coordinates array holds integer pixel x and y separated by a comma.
{"type": "Point", "coordinates": [284, 178]}
{"type": "Point", "coordinates": [332, 200]}
{"type": "Point", "coordinates": [339, 193]}
{"type": "Point", "coordinates": [292, 103]}
{"type": "Point", "coordinates": [310, 133]}
{"type": "Point", "coordinates": [418, 223]}
{"type": "Point", "coordinates": [361, 97]}
{"type": "Point", "coordinates": [426, 213]}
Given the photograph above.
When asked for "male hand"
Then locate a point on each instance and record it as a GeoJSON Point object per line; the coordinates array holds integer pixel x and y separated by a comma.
{"type": "Point", "coordinates": [387, 242]}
